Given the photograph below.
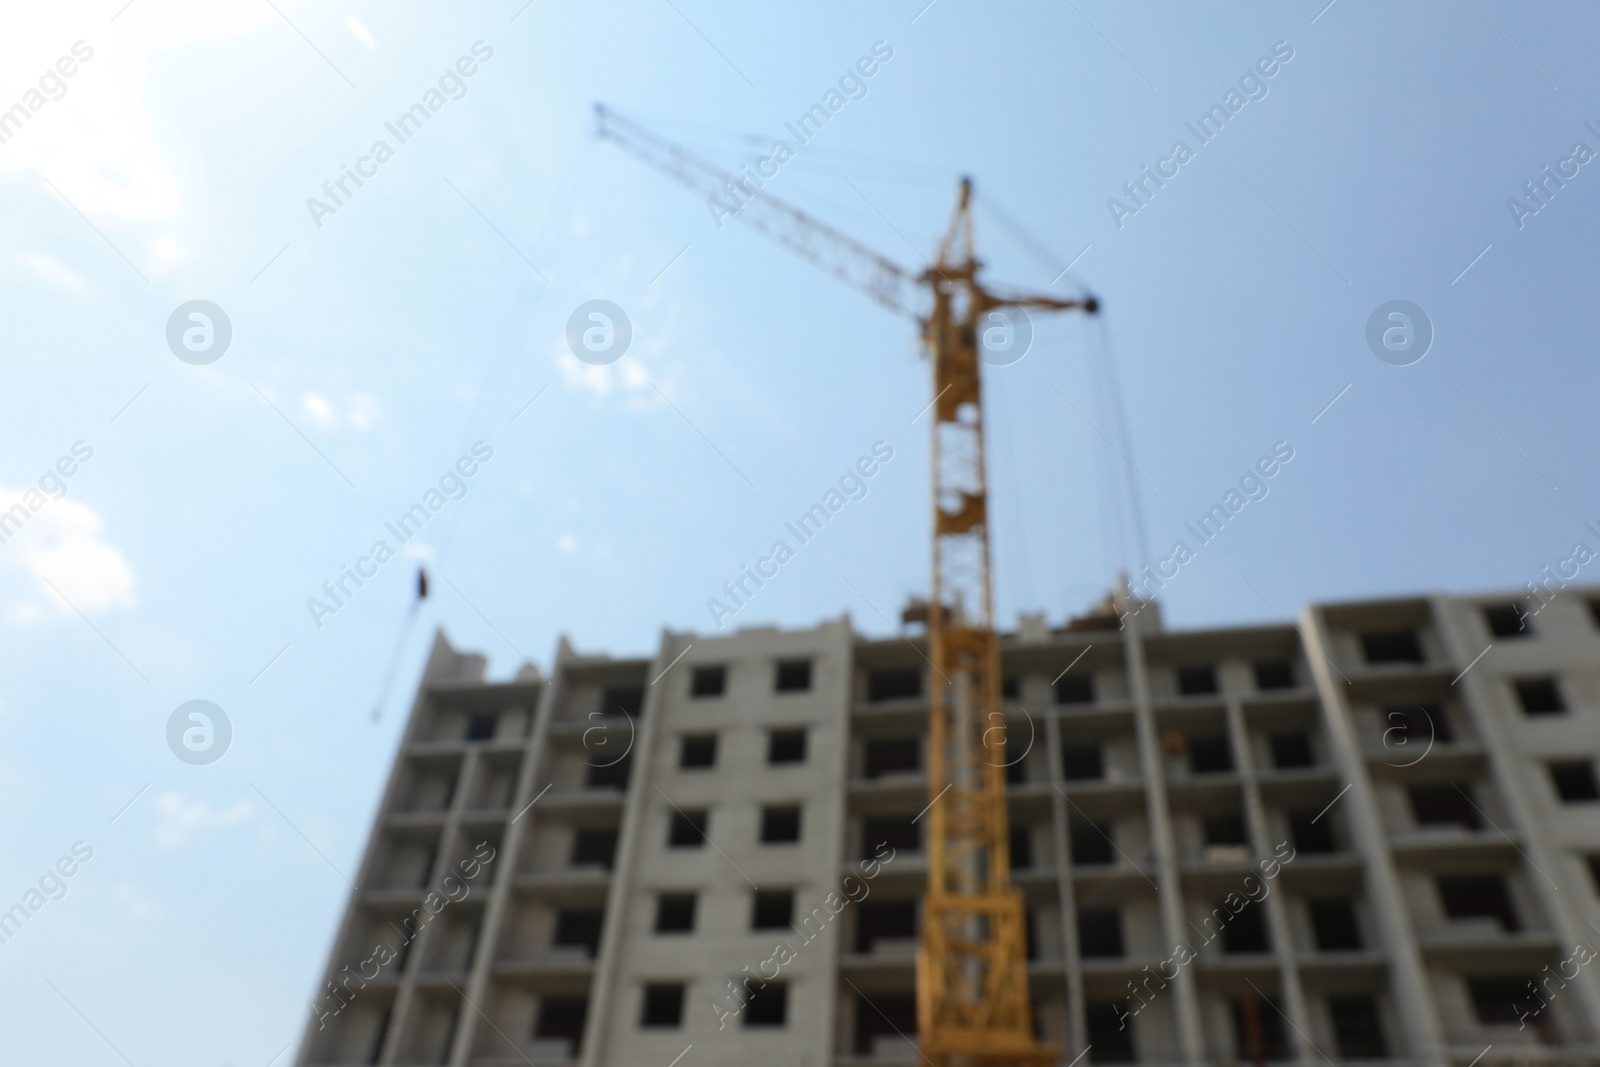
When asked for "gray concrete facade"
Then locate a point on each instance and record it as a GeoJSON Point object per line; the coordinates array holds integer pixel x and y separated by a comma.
{"type": "Point", "coordinates": [1369, 834]}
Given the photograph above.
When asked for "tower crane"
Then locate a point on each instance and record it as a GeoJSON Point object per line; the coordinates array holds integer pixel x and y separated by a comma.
{"type": "Point", "coordinates": [972, 981]}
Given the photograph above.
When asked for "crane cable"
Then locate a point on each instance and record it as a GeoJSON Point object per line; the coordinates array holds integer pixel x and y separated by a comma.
{"type": "Point", "coordinates": [1098, 338]}
{"type": "Point", "coordinates": [1103, 372]}
{"type": "Point", "coordinates": [494, 371]}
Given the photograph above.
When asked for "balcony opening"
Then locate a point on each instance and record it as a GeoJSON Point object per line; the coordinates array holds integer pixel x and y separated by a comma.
{"type": "Point", "coordinates": [687, 829]}
{"type": "Point", "coordinates": [1245, 931]}
{"type": "Point", "coordinates": [768, 1005]}
{"type": "Point", "coordinates": [1311, 833]}
{"type": "Point", "coordinates": [1503, 1001]}
{"type": "Point", "coordinates": [1109, 1030]}
{"type": "Point", "coordinates": [623, 700]}
{"type": "Point", "coordinates": [675, 913]}
{"type": "Point", "coordinates": [772, 909]}
{"type": "Point", "coordinates": [891, 755]}
{"type": "Point", "coordinates": [1099, 933]}
{"type": "Point", "coordinates": [1292, 750]}
{"type": "Point", "coordinates": [1574, 780]}
{"type": "Point", "coordinates": [896, 831]}
{"type": "Point", "coordinates": [1091, 842]}
{"type": "Point", "coordinates": [1210, 755]}
{"type": "Point", "coordinates": [1021, 846]}
{"type": "Point", "coordinates": [1274, 674]}
{"type": "Point", "coordinates": [697, 752]}
{"type": "Point", "coordinates": [1507, 620]}
{"type": "Point", "coordinates": [780, 824]}
{"type": "Point", "coordinates": [1081, 763]}
{"type": "Point", "coordinates": [1391, 646]}
{"type": "Point", "coordinates": [1356, 1028]}
{"type": "Point", "coordinates": [663, 1005]}
{"type": "Point", "coordinates": [894, 683]}
{"type": "Point", "coordinates": [889, 920]}
{"type": "Point", "coordinates": [1444, 805]}
{"type": "Point", "coordinates": [1415, 725]}
{"type": "Point", "coordinates": [1016, 767]}
{"type": "Point", "coordinates": [612, 775]}
{"type": "Point", "coordinates": [885, 1015]}
{"type": "Point", "coordinates": [792, 676]}
{"type": "Point", "coordinates": [1333, 921]}
{"type": "Point", "coordinates": [1197, 680]}
{"type": "Point", "coordinates": [1539, 696]}
{"type": "Point", "coordinates": [1075, 689]}
{"type": "Point", "coordinates": [482, 727]}
{"type": "Point", "coordinates": [594, 848]}
{"type": "Point", "coordinates": [786, 746]}
{"type": "Point", "coordinates": [708, 681]}
{"type": "Point", "coordinates": [1258, 1030]}
{"type": "Point", "coordinates": [579, 927]}
{"type": "Point", "coordinates": [562, 1019]}
{"type": "Point", "coordinates": [1224, 830]}
{"type": "Point", "coordinates": [1474, 896]}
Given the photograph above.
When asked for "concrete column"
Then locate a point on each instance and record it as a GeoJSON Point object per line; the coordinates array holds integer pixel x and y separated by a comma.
{"type": "Point", "coordinates": [406, 995]}
{"type": "Point", "coordinates": [602, 991]}
{"type": "Point", "coordinates": [1186, 1002]}
{"type": "Point", "coordinates": [1065, 891]}
{"type": "Point", "coordinates": [1292, 992]}
{"type": "Point", "coordinates": [502, 891]}
{"type": "Point", "coordinates": [841, 644]}
{"type": "Point", "coordinates": [1424, 1036]}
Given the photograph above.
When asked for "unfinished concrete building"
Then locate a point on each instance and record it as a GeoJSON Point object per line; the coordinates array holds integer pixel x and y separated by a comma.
{"type": "Point", "coordinates": [1369, 834]}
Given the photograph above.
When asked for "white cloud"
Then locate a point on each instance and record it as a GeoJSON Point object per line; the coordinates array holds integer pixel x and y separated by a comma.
{"type": "Point", "coordinates": [134, 904]}
{"type": "Point", "coordinates": [52, 271]}
{"type": "Point", "coordinates": [362, 412]}
{"type": "Point", "coordinates": [626, 374]}
{"type": "Point", "coordinates": [319, 409]}
{"type": "Point", "coordinates": [360, 32]}
{"type": "Point", "coordinates": [104, 137]}
{"type": "Point", "coordinates": [178, 817]}
{"type": "Point", "coordinates": [567, 543]}
{"type": "Point", "coordinates": [60, 545]}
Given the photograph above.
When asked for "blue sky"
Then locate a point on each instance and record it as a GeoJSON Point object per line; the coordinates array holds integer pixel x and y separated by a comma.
{"type": "Point", "coordinates": [370, 352]}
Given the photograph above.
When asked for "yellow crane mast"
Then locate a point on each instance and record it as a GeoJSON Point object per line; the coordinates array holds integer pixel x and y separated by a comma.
{"type": "Point", "coordinates": [972, 980]}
